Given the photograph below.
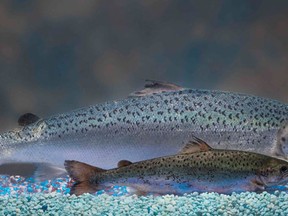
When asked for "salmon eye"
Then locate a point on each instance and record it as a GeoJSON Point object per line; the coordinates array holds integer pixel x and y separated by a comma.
{"type": "Point", "coordinates": [283, 169]}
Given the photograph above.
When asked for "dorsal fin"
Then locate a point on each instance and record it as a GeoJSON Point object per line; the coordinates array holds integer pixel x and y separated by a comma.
{"type": "Point", "coordinates": [27, 118]}
{"type": "Point", "coordinates": [154, 86]}
{"type": "Point", "coordinates": [123, 163]}
{"type": "Point", "coordinates": [195, 145]}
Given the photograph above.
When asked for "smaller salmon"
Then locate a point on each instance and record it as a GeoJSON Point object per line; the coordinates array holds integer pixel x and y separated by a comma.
{"type": "Point", "coordinates": [197, 168]}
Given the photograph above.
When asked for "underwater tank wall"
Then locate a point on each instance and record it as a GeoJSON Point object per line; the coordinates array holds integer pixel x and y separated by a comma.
{"type": "Point", "coordinates": [56, 56]}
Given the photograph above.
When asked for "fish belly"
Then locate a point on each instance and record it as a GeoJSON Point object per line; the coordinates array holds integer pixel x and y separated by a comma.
{"type": "Point", "coordinates": [165, 185]}
{"type": "Point", "coordinates": [106, 149]}
{"type": "Point", "coordinates": [98, 149]}
{"type": "Point", "coordinates": [172, 184]}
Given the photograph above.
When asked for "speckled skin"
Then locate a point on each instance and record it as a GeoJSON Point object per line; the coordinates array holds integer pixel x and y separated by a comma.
{"type": "Point", "coordinates": [221, 171]}
{"type": "Point", "coordinates": [151, 126]}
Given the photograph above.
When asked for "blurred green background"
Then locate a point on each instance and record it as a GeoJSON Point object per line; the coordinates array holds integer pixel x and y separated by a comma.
{"type": "Point", "coordinates": [58, 55]}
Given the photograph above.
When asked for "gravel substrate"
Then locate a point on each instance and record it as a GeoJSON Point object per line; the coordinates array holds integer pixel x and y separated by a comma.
{"type": "Point", "coordinates": [25, 197]}
{"type": "Point", "coordinates": [193, 204]}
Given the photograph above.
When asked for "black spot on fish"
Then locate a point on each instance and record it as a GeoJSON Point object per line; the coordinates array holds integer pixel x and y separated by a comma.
{"type": "Point", "coordinates": [191, 109]}
{"type": "Point", "coordinates": [230, 116]}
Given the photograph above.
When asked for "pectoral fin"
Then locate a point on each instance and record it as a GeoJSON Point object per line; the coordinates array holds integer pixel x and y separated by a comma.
{"type": "Point", "coordinates": [155, 87]}
{"type": "Point", "coordinates": [138, 190]}
{"type": "Point", "coordinates": [257, 185]}
{"type": "Point", "coordinates": [38, 171]}
{"type": "Point", "coordinates": [195, 145]}
{"type": "Point", "coordinates": [46, 171]}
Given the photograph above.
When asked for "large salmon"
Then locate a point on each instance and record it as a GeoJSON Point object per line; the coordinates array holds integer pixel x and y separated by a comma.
{"type": "Point", "coordinates": [151, 123]}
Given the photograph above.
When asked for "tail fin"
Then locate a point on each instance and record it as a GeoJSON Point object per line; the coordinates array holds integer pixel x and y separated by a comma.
{"type": "Point", "coordinates": [82, 174]}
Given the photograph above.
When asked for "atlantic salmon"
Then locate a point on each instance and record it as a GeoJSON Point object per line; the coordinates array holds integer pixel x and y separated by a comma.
{"type": "Point", "coordinates": [150, 123]}
{"type": "Point", "coordinates": [197, 168]}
